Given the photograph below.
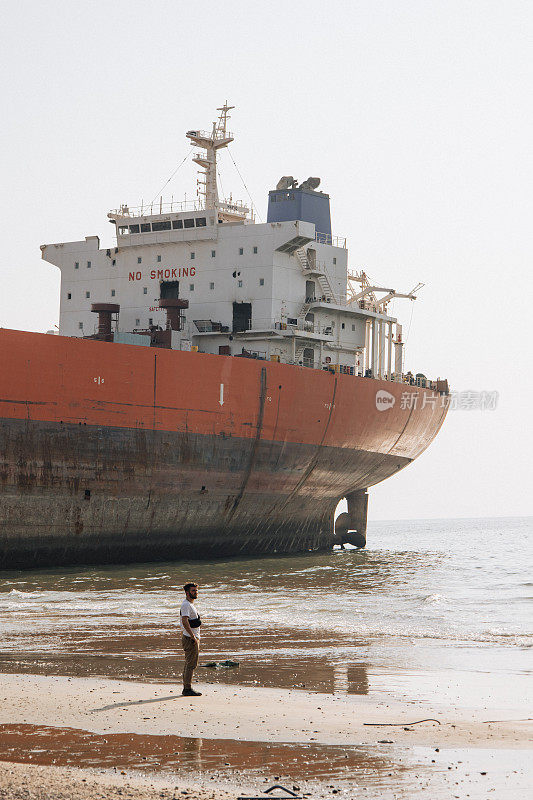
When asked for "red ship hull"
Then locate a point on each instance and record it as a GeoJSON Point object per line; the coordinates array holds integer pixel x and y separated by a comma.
{"type": "Point", "coordinates": [113, 452]}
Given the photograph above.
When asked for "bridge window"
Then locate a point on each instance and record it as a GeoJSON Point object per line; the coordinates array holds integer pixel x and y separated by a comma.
{"type": "Point", "coordinates": [200, 222]}
{"type": "Point", "coordinates": [123, 230]}
{"type": "Point", "coordinates": [134, 228]}
{"type": "Point", "coordinates": [177, 224]}
{"type": "Point", "coordinates": [145, 227]}
{"type": "Point", "coordinates": [161, 226]}
{"type": "Point", "coordinates": [189, 223]}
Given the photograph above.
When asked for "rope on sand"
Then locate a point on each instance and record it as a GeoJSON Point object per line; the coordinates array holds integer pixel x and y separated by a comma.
{"type": "Point", "coordinates": [401, 724]}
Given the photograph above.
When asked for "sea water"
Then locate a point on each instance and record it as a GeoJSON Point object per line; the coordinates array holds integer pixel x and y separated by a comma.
{"type": "Point", "coordinates": [431, 609]}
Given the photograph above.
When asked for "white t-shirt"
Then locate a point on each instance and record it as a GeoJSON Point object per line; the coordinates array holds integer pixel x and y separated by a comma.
{"type": "Point", "coordinates": [188, 610]}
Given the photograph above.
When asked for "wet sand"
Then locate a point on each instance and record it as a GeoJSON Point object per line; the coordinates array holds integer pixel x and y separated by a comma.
{"type": "Point", "coordinates": [259, 734]}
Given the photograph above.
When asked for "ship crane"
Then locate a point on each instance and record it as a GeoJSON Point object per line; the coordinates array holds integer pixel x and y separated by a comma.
{"type": "Point", "coordinates": [366, 295]}
{"type": "Point", "coordinates": [379, 336]}
{"type": "Point", "coordinates": [382, 303]}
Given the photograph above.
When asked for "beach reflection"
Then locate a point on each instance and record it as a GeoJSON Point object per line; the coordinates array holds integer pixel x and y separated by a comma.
{"type": "Point", "coordinates": [379, 771]}
{"type": "Point", "coordinates": [253, 761]}
{"type": "Point", "coordinates": [312, 674]}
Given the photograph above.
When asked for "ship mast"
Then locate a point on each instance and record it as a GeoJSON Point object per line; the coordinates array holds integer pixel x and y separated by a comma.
{"type": "Point", "coordinates": [218, 138]}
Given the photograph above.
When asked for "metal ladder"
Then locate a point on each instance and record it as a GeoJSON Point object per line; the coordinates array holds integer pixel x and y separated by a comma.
{"type": "Point", "coordinates": [299, 353]}
{"type": "Point", "coordinates": [322, 277]}
{"type": "Point", "coordinates": [301, 255]}
{"type": "Point", "coordinates": [304, 309]}
{"type": "Point", "coordinates": [325, 285]}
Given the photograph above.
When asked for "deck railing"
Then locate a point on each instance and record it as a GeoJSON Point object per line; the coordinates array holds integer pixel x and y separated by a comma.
{"type": "Point", "coordinates": [328, 238]}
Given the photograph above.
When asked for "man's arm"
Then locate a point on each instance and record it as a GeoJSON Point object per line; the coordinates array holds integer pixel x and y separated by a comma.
{"type": "Point", "coordinates": [187, 626]}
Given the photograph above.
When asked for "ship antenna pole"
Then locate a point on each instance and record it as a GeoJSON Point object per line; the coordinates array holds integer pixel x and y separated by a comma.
{"type": "Point", "coordinates": [211, 142]}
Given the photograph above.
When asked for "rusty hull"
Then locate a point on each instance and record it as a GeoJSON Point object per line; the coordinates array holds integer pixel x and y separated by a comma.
{"type": "Point", "coordinates": [116, 453]}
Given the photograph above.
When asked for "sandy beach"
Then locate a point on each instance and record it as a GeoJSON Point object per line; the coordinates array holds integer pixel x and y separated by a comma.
{"type": "Point", "coordinates": [249, 713]}
{"type": "Point", "coordinates": [29, 782]}
{"type": "Point", "coordinates": [232, 739]}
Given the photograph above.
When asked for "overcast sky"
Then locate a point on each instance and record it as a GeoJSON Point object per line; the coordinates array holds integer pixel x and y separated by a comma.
{"type": "Point", "coordinates": [416, 115]}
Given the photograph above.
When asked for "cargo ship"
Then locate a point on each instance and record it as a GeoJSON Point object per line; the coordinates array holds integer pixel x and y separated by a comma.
{"type": "Point", "coordinates": [217, 385]}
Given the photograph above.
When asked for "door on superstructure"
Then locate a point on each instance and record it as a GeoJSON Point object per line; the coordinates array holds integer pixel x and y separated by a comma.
{"type": "Point", "coordinates": [308, 359]}
{"type": "Point", "coordinates": [310, 291]}
{"type": "Point", "coordinates": [309, 322]}
{"type": "Point", "coordinates": [242, 317]}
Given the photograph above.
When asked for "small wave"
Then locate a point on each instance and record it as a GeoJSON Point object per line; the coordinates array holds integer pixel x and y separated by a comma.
{"type": "Point", "coordinates": [433, 600]}
{"type": "Point", "coordinates": [313, 569]}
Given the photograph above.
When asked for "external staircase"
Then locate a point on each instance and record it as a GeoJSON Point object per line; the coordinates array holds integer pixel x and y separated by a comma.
{"type": "Point", "coordinates": [299, 353]}
{"type": "Point", "coordinates": [326, 289]}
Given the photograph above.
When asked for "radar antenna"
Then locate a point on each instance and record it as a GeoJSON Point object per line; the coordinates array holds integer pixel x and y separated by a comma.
{"type": "Point", "coordinates": [222, 120]}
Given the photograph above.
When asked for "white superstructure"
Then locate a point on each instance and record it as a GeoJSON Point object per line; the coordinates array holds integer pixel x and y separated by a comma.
{"type": "Point", "coordinates": [279, 290]}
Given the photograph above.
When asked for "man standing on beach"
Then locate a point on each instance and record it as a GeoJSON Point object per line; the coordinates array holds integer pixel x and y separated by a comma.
{"type": "Point", "coordinates": [190, 639]}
